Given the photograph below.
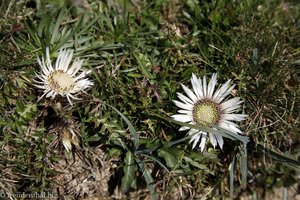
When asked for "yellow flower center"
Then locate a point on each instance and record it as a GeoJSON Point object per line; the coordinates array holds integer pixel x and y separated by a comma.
{"type": "Point", "coordinates": [60, 81]}
{"type": "Point", "coordinates": [206, 113]}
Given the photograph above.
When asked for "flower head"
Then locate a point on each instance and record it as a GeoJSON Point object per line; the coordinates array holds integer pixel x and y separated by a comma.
{"type": "Point", "coordinates": [62, 79]}
{"type": "Point", "coordinates": [69, 137]}
{"type": "Point", "coordinates": [206, 107]}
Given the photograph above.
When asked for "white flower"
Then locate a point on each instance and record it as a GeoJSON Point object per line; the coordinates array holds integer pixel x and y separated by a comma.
{"type": "Point", "coordinates": [62, 79]}
{"type": "Point", "coordinates": [206, 107]}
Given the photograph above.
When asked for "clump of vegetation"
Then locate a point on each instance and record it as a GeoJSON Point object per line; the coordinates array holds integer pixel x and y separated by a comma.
{"type": "Point", "coordinates": [119, 140]}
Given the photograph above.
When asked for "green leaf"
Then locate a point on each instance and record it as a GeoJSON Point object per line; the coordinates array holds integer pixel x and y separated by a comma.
{"type": "Point", "coordinates": [43, 25]}
{"type": "Point", "coordinates": [55, 32]}
{"type": "Point", "coordinates": [114, 153]}
{"type": "Point", "coordinates": [30, 27]}
{"type": "Point", "coordinates": [280, 158]}
{"type": "Point", "coordinates": [131, 128]}
{"type": "Point", "coordinates": [39, 154]}
{"type": "Point", "coordinates": [86, 27]}
{"type": "Point", "coordinates": [27, 111]}
{"type": "Point", "coordinates": [148, 178]}
{"type": "Point", "coordinates": [172, 156]}
{"type": "Point", "coordinates": [157, 161]}
{"type": "Point", "coordinates": [134, 75]}
{"type": "Point", "coordinates": [67, 36]}
{"type": "Point", "coordinates": [194, 163]}
{"type": "Point", "coordinates": [144, 65]}
{"type": "Point", "coordinates": [129, 178]}
{"type": "Point", "coordinates": [243, 165]}
{"type": "Point", "coordinates": [231, 180]}
{"type": "Point", "coordinates": [2, 123]}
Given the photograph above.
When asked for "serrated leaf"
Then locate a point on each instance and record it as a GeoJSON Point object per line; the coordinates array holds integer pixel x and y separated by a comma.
{"type": "Point", "coordinates": [26, 111]}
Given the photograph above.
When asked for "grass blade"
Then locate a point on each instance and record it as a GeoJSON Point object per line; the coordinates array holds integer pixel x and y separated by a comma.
{"type": "Point", "coordinates": [231, 180]}
{"type": "Point", "coordinates": [129, 178]}
{"type": "Point", "coordinates": [244, 165]}
{"type": "Point", "coordinates": [280, 158]}
{"type": "Point", "coordinates": [130, 126]}
{"type": "Point", "coordinates": [59, 19]}
{"type": "Point", "coordinates": [148, 178]}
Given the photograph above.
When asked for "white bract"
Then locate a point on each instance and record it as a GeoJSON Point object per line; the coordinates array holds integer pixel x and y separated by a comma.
{"type": "Point", "coordinates": [62, 78]}
{"type": "Point", "coordinates": [208, 108]}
